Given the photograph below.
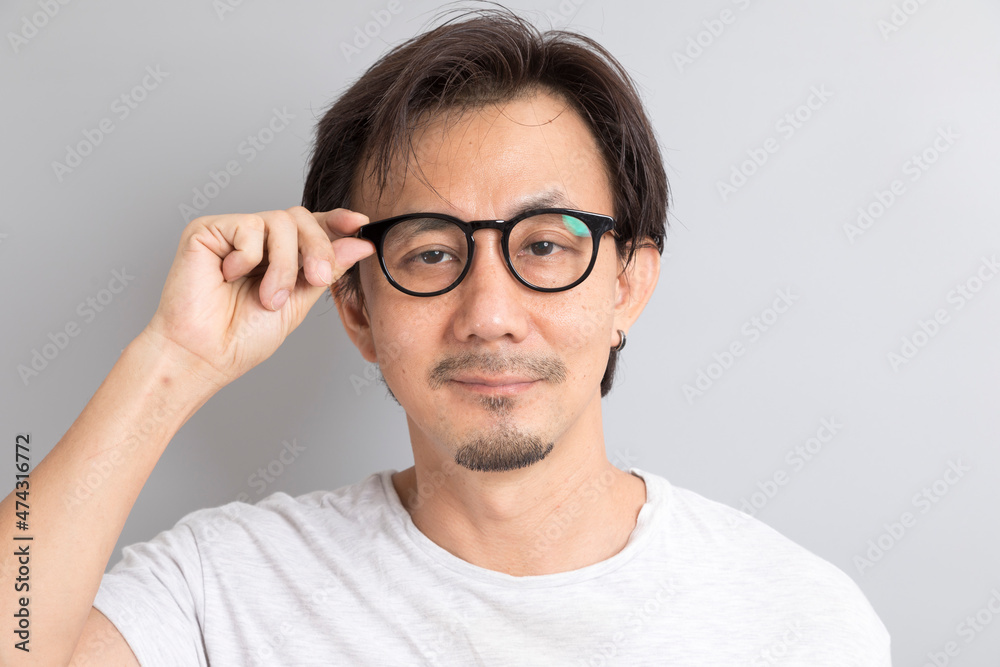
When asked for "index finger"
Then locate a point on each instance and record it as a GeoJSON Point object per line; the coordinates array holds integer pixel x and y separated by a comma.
{"type": "Point", "coordinates": [340, 222]}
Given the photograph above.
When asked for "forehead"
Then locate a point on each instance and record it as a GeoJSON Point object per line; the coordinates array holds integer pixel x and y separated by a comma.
{"type": "Point", "coordinates": [490, 161]}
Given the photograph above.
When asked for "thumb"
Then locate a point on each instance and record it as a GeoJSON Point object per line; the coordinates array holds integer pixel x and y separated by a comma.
{"type": "Point", "coordinates": [347, 252]}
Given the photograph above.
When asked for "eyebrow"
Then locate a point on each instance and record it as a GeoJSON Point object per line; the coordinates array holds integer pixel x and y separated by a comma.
{"type": "Point", "coordinates": [553, 198]}
{"type": "Point", "coordinates": [422, 225]}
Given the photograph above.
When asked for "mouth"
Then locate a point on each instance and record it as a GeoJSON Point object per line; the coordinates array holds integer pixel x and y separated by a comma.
{"type": "Point", "coordinates": [494, 386]}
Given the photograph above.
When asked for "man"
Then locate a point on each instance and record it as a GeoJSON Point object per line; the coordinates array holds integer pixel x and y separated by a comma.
{"type": "Point", "coordinates": [492, 204]}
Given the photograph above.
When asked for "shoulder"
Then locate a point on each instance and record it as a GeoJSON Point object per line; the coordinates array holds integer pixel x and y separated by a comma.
{"type": "Point", "coordinates": [354, 503]}
{"type": "Point", "coordinates": [728, 549]}
{"type": "Point", "coordinates": [713, 530]}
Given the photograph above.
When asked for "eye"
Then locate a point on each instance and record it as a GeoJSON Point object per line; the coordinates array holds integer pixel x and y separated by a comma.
{"type": "Point", "coordinates": [430, 257]}
{"type": "Point", "coordinates": [434, 256]}
{"type": "Point", "coordinates": [551, 247]}
{"type": "Point", "coordinates": [543, 248]}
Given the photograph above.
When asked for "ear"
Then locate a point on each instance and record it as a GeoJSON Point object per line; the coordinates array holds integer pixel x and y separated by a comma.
{"type": "Point", "coordinates": [354, 315]}
{"type": "Point", "coordinates": [635, 286]}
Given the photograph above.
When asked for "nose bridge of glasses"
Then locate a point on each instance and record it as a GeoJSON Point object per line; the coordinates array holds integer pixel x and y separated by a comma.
{"type": "Point", "coordinates": [476, 225]}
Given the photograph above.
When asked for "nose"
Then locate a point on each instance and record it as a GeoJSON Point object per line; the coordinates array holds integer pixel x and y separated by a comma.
{"type": "Point", "coordinates": [491, 302]}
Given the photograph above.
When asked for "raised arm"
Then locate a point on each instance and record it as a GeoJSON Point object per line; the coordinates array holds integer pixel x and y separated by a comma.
{"type": "Point", "coordinates": [210, 328]}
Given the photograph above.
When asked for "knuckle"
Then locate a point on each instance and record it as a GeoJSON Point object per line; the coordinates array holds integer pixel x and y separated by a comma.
{"type": "Point", "coordinates": [281, 219]}
{"type": "Point", "coordinates": [313, 236]}
{"type": "Point", "coordinates": [309, 227]}
{"type": "Point", "coordinates": [253, 221]}
{"type": "Point", "coordinates": [200, 221]}
{"type": "Point", "coordinates": [196, 227]}
{"type": "Point", "coordinates": [188, 241]}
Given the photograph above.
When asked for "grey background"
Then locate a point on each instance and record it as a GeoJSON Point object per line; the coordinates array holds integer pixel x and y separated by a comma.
{"type": "Point", "coordinates": [784, 229]}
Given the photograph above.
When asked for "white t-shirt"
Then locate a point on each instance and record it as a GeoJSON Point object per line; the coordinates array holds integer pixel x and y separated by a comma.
{"type": "Point", "coordinates": [346, 578]}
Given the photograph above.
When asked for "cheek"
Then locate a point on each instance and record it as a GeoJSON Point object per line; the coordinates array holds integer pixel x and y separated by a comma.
{"type": "Point", "coordinates": [586, 327]}
{"type": "Point", "coordinates": [384, 335]}
{"type": "Point", "coordinates": [591, 327]}
{"type": "Point", "coordinates": [579, 335]}
{"type": "Point", "coordinates": [382, 305]}
{"type": "Point", "coordinates": [405, 334]}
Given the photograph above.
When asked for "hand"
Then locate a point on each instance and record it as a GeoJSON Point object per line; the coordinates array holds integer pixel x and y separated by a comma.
{"type": "Point", "coordinates": [235, 290]}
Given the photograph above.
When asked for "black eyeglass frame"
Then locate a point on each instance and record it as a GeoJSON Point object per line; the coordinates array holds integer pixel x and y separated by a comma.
{"type": "Point", "coordinates": [597, 223]}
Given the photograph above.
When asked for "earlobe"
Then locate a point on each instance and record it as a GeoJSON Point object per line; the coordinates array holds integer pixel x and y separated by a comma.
{"type": "Point", "coordinates": [354, 316]}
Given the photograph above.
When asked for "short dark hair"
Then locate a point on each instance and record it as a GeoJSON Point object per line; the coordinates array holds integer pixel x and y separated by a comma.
{"type": "Point", "coordinates": [477, 58]}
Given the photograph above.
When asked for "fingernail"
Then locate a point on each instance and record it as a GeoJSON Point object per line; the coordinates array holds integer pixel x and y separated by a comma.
{"type": "Point", "coordinates": [325, 271]}
{"type": "Point", "coordinates": [279, 299]}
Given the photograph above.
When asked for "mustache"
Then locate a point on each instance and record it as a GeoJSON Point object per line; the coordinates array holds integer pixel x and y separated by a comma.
{"type": "Point", "coordinates": [550, 369]}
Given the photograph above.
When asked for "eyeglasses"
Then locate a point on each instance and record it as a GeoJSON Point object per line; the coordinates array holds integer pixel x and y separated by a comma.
{"type": "Point", "coordinates": [427, 254]}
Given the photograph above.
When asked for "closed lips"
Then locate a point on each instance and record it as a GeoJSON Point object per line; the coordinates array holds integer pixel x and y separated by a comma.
{"type": "Point", "coordinates": [493, 382]}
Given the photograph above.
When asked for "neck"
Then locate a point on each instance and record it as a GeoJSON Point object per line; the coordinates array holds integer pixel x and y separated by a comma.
{"type": "Point", "coordinates": [567, 511]}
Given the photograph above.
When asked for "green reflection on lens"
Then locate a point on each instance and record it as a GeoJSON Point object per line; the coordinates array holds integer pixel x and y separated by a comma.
{"type": "Point", "coordinates": [576, 225]}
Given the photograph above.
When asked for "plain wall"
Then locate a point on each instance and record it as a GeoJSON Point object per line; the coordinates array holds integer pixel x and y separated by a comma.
{"type": "Point", "coordinates": [888, 82]}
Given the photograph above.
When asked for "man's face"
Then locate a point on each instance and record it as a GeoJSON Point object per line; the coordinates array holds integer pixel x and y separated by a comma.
{"type": "Point", "coordinates": [494, 374]}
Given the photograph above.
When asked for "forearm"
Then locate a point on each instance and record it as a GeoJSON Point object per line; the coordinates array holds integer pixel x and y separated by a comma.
{"type": "Point", "coordinates": [81, 493]}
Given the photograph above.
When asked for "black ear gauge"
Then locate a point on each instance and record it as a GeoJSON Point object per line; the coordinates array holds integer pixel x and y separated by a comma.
{"type": "Point", "coordinates": [621, 345]}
